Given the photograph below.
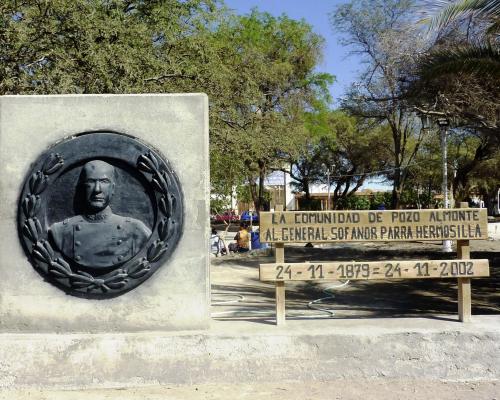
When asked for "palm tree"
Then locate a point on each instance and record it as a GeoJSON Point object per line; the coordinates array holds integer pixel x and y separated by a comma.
{"type": "Point", "coordinates": [453, 10]}
{"type": "Point", "coordinates": [480, 55]}
{"type": "Point", "coordinates": [459, 76]}
{"type": "Point", "coordinates": [480, 59]}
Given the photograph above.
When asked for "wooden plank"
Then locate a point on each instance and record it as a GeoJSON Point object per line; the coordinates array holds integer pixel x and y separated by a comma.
{"type": "Point", "coordinates": [464, 284]}
{"type": "Point", "coordinates": [354, 270]}
{"type": "Point", "coordinates": [280, 303]}
{"type": "Point", "coordinates": [280, 286]}
{"type": "Point", "coordinates": [464, 300]}
{"type": "Point", "coordinates": [388, 225]}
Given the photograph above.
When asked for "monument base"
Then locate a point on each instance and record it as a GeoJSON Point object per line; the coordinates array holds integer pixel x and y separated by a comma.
{"type": "Point", "coordinates": [255, 351]}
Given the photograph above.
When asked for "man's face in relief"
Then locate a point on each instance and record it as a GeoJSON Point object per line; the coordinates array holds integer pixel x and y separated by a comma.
{"type": "Point", "coordinates": [98, 184]}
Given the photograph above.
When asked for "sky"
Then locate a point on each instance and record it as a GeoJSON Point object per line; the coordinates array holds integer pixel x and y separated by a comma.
{"type": "Point", "coordinates": [314, 12]}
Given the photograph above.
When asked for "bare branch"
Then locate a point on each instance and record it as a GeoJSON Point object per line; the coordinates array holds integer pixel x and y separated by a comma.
{"type": "Point", "coordinates": [169, 76]}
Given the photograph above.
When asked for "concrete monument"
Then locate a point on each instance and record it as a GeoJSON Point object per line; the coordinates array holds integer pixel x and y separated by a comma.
{"type": "Point", "coordinates": [111, 211]}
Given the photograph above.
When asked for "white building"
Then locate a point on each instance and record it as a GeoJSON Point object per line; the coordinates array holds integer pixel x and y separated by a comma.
{"type": "Point", "coordinates": [279, 184]}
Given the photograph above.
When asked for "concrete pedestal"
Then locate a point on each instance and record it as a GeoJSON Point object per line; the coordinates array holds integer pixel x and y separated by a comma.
{"type": "Point", "coordinates": [233, 352]}
{"type": "Point", "coordinates": [176, 297]}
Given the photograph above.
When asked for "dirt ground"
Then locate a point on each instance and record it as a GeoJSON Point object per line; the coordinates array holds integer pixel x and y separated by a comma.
{"type": "Point", "coordinates": [237, 292]}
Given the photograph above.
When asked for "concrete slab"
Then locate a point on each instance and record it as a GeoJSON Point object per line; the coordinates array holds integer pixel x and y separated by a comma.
{"type": "Point", "coordinates": [256, 351]}
{"type": "Point", "coordinates": [339, 389]}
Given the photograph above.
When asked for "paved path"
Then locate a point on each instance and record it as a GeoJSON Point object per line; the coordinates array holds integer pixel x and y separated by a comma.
{"type": "Point", "coordinates": [380, 389]}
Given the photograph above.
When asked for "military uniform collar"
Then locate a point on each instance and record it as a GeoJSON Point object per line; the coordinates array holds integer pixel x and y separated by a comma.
{"type": "Point", "coordinates": [100, 216]}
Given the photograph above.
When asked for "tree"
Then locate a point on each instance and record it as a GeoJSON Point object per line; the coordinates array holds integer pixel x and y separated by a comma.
{"type": "Point", "coordinates": [354, 140]}
{"type": "Point", "coordinates": [272, 82]}
{"type": "Point", "coordinates": [98, 46]}
{"type": "Point", "coordinates": [454, 10]}
{"type": "Point", "coordinates": [305, 163]}
{"type": "Point", "coordinates": [306, 169]}
{"type": "Point", "coordinates": [459, 75]}
{"type": "Point", "coordinates": [340, 143]}
{"type": "Point", "coordinates": [389, 45]}
{"type": "Point", "coordinates": [457, 78]}
{"type": "Point", "coordinates": [424, 176]}
{"type": "Point", "coordinates": [468, 150]}
{"type": "Point", "coordinates": [484, 180]}
{"type": "Point", "coordinates": [257, 70]}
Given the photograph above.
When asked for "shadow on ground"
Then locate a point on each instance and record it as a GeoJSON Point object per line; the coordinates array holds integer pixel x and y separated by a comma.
{"type": "Point", "coordinates": [238, 293]}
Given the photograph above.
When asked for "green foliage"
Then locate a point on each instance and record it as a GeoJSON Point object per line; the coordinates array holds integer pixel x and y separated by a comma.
{"type": "Point", "coordinates": [336, 152]}
{"type": "Point", "coordinates": [365, 202]}
{"type": "Point", "coordinates": [380, 199]}
{"type": "Point", "coordinates": [353, 202]}
{"type": "Point", "coordinates": [355, 139]}
{"type": "Point", "coordinates": [411, 198]}
{"type": "Point", "coordinates": [375, 201]}
{"type": "Point", "coordinates": [94, 46]}
{"type": "Point", "coordinates": [479, 59]}
{"type": "Point", "coordinates": [485, 180]}
{"type": "Point", "coordinates": [271, 82]}
{"type": "Point", "coordinates": [243, 193]}
{"type": "Point", "coordinates": [459, 78]}
{"type": "Point", "coordinates": [218, 205]}
{"type": "Point", "coordinates": [424, 176]}
{"type": "Point", "coordinates": [226, 172]}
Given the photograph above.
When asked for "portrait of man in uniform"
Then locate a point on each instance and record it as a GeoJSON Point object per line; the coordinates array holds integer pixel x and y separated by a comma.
{"type": "Point", "coordinates": [98, 238]}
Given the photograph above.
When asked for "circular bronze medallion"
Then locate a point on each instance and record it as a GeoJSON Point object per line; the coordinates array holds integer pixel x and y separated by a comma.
{"type": "Point", "coordinates": [100, 213]}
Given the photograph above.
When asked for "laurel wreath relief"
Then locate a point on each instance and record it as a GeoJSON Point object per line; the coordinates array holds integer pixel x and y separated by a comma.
{"type": "Point", "coordinates": [58, 268]}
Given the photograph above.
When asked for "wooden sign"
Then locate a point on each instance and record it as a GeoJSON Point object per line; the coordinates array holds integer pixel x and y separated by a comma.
{"type": "Point", "coordinates": [359, 226]}
{"type": "Point", "coordinates": [354, 270]}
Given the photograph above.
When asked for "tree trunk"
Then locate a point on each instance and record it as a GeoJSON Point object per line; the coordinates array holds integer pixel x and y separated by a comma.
{"type": "Point", "coordinates": [253, 191]}
{"type": "Point", "coordinates": [396, 190]}
{"type": "Point", "coordinates": [259, 205]}
{"type": "Point", "coordinates": [307, 192]}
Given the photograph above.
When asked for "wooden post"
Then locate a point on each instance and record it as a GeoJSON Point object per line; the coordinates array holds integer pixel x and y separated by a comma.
{"type": "Point", "coordinates": [464, 286]}
{"type": "Point", "coordinates": [280, 286]}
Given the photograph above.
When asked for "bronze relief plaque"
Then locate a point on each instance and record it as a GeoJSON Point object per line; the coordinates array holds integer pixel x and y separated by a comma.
{"type": "Point", "coordinates": [99, 213]}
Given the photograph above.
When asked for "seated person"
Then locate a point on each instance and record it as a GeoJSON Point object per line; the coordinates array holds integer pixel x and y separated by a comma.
{"type": "Point", "coordinates": [242, 239]}
{"type": "Point", "coordinates": [217, 245]}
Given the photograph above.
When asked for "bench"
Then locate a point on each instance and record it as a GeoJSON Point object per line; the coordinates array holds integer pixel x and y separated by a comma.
{"type": "Point", "coordinates": [459, 224]}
